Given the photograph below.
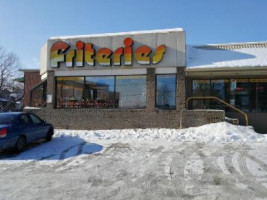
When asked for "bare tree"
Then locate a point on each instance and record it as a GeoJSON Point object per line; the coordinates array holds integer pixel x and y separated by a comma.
{"type": "Point", "coordinates": [164, 94]}
{"type": "Point", "coordinates": [9, 64]}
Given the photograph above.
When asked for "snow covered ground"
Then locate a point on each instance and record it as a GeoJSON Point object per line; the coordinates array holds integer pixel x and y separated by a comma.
{"type": "Point", "coordinates": [215, 161]}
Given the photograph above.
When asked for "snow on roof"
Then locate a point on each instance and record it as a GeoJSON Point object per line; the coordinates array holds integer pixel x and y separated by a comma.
{"type": "Point", "coordinates": [29, 69]}
{"type": "Point", "coordinates": [118, 34]}
{"type": "Point", "coordinates": [253, 54]}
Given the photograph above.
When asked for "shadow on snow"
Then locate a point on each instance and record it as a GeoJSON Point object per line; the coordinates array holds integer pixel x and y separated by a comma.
{"type": "Point", "coordinates": [58, 149]}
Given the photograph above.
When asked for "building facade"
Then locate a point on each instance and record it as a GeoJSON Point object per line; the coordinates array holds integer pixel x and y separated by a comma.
{"type": "Point", "coordinates": [143, 79]}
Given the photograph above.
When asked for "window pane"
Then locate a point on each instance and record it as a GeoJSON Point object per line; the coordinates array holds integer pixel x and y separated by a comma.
{"type": "Point", "coordinates": [38, 95]}
{"type": "Point", "coordinates": [24, 119]}
{"type": "Point", "coordinates": [215, 87]}
{"type": "Point", "coordinates": [220, 89]}
{"type": "Point", "coordinates": [258, 95]}
{"type": "Point", "coordinates": [131, 91]}
{"type": "Point", "coordinates": [70, 91]}
{"type": "Point", "coordinates": [201, 88]}
{"type": "Point", "coordinates": [165, 92]}
{"type": "Point", "coordinates": [35, 119]}
{"type": "Point", "coordinates": [99, 92]}
{"type": "Point", "coordinates": [239, 94]}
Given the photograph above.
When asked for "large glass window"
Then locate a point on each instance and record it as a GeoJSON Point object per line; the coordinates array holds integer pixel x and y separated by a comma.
{"type": "Point", "coordinates": [70, 92]}
{"type": "Point", "coordinates": [38, 95]}
{"type": "Point", "coordinates": [99, 92]}
{"type": "Point", "coordinates": [259, 92]}
{"type": "Point", "coordinates": [220, 89]}
{"type": "Point", "coordinates": [239, 94]}
{"type": "Point", "coordinates": [131, 91]}
{"type": "Point", "coordinates": [165, 91]}
{"type": "Point", "coordinates": [249, 95]}
{"type": "Point", "coordinates": [201, 88]}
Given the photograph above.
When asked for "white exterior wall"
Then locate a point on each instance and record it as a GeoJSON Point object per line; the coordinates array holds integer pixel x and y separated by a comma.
{"type": "Point", "coordinates": [44, 59]}
{"type": "Point", "coordinates": [174, 39]}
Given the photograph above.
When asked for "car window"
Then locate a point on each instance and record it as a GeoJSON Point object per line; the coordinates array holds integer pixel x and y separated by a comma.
{"type": "Point", "coordinates": [35, 119]}
{"type": "Point", "coordinates": [24, 119]}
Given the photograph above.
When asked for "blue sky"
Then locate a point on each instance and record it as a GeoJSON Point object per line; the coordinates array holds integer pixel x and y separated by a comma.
{"type": "Point", "coordinates": [25, 25]}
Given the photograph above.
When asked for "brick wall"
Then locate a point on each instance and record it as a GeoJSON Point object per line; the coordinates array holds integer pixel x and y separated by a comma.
{"type": "Point", "coordinates": [31, 79]}
{"type": "Point", "coordinates": [150, 117]}
{"type": "Point", "coordinates": [193, 118]}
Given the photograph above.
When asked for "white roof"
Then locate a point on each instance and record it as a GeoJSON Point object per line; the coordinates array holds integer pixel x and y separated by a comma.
{"type": "Point", "coordinates": [117, 34]}
{"type": "Point", "coordinates": [236, 55]}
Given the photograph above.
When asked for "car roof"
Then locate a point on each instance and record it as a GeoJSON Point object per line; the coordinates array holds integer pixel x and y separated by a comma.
{"type": "Point", "coordinates": [11, 113]}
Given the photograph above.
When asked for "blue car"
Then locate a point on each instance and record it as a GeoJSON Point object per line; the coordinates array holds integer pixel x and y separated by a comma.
{"type": "Point", "coordinates": [17, 129]}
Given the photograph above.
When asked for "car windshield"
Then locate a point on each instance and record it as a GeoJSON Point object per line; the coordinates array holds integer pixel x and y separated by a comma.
{"type": "Point", "coordinates": [7, 119]}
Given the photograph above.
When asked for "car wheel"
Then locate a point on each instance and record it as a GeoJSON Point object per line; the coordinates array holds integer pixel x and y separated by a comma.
{"type": "Point", "coordinates": [49, 135]}
{"type": "Point", "coordinates": [20, 144]}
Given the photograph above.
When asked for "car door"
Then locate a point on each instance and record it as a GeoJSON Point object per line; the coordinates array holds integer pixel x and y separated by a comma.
{"type": "Point", "coordinates": [39, 126]}
{"type": "Point", "coordinates": [25, 127]}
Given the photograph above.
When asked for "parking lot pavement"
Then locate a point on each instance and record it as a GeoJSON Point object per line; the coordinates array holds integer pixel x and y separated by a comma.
{"type": "Point", "coordinates": [71, 168]}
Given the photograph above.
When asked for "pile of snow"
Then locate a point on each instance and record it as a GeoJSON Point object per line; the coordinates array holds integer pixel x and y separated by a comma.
{"type": "Point", "coordinates": [222, 132]}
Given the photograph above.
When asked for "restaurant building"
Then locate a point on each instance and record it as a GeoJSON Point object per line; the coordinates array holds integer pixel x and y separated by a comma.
{"type": "Point", "coordinates": [143, 79]}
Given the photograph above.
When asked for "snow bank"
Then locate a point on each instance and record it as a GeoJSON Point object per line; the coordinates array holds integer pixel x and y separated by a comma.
{"type": "Point", "coordinates": [222, 132]}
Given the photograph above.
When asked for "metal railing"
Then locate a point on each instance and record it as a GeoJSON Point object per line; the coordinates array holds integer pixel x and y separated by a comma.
{"type": "Point", "coordinates": [221, 101]}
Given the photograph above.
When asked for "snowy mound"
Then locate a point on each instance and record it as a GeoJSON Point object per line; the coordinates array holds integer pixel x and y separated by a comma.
{"type": "Point", "coordinates": [217, 132]}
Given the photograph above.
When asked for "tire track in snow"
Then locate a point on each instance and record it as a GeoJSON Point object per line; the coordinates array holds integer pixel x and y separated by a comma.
{"type": "Point", "coordinates": [64, 161]}
{"type": "Point", "coordinates": [184, 188]}
{"type": "Point", "coordinates": [245, 181]}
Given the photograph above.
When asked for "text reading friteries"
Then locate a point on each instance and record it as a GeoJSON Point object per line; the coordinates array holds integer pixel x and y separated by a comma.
{"type": "Point", "coordinates": [85, 53]}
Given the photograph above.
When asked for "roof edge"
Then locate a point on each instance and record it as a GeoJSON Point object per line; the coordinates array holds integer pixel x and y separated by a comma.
{"type": "Point", "coordinates": [119, 33]}
{"type": "Point", "coordinates": [260, 44]}
{"type": "Point", "coordinates": [29, 70]}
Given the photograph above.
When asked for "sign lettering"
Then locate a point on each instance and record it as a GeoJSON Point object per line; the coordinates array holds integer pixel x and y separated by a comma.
{"type": "Point", "coordinates": [85, 53]}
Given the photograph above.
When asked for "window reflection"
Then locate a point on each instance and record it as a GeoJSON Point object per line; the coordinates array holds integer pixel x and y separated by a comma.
{"type": "Point", "coordinates": [165, 91]}
{"type": "Point", "coordinates": [239, 94]}
{"type": "Point", "coordinates": [70, 91]}
{"type": "Point", "coordinates": [201, 88]}
{"type": "Point", "coordinates": [131, 91]}
{"type": "Point", "coordinates": [259, 91]}
{"type": "Point", "coordinates": [249, 95]}
{"type": "Point", "coordinates": [38, 95]}
{"type": "Point", "coordinates": [99, 92]}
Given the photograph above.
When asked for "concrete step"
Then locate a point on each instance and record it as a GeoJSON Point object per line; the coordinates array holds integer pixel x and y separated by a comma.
{"type": "Point", "coordinates": [234, 121]}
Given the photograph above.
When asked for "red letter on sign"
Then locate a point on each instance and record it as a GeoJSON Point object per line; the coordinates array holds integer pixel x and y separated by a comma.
{"type": "Point", "coordinates": [89, 53]}
{"type": "Point", "coordinates": [79, 53]}
{"type": "Point", "coordinates": [57, 53]}
{"type": "Point", "coordinates": [142, 55]}
{"type": "Point", "coordinates": [103, 56]}
{"type": "Point", "coordinates": [117, 56]}
{"type": "Point", "coordinates": [128, 42]}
